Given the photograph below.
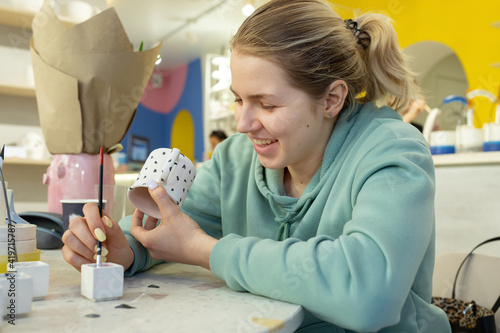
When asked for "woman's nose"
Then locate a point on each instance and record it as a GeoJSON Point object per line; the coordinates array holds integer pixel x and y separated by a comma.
{"type": "Point", "coordinates": [246, 120]}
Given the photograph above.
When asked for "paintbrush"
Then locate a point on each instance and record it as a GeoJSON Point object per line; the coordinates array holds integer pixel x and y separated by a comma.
{"type": "Point", "coordinates": [99, 246]}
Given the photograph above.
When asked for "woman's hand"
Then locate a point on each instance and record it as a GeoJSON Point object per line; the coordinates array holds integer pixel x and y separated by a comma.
{"type": "Point", "coordinates": [81, 240]}
{"type": "Point", "coordinates": [177, 238]}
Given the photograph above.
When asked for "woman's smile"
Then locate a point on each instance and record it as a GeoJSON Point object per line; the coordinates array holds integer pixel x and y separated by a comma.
{"type": "Point", "coordinates": [286, 126]}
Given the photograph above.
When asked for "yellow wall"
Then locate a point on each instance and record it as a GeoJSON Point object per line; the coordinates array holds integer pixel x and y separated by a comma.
{"type": "Point", "coordinates": [465, 26]}
{"type": "Point", "coordinates": [183, 134]}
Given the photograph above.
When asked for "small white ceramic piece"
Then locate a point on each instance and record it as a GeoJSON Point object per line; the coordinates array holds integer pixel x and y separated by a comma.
{"type": "Point", "coordinates": [469, 139]}
{"type": "Point", "coordinates": [39, 271]}
{"type": "Point", "coordinates": [21, 231]}
{"type": "Point", "coordinates": [102, 283]}
{"type": "Point", "coordinates": [17, 290]}
{"type": "Point", "coordinates": [442, 142]}
{"type": "Point", "coordinates": [171, 169]}
{"type": "Point", "coordinates": [22, 247]}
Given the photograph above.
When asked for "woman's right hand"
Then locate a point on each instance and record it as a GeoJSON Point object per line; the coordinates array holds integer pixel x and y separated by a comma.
{"type": "Point", "coordinates": [80, 240]}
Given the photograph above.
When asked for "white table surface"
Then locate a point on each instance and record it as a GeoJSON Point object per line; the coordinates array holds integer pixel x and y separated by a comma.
{"type": "Point", "coordinates": [189, 299]}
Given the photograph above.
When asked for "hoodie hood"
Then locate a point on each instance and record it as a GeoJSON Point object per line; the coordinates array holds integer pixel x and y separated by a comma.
{"type": "Point", "coordinates": [288, 210]}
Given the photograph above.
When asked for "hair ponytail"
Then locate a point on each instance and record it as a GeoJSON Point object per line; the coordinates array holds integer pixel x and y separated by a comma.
{"type": "Point", "coordinates": [389, 79]}
{"type": "Point", "coordinates": [312, 43]}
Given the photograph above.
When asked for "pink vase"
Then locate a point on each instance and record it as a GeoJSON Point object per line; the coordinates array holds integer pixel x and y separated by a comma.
{"type": "Point", "coordinates": [76, 176]}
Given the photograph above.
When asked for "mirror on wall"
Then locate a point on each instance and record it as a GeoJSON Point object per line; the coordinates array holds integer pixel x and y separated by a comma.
{"type": "Point", "coordinates": [440, 74]}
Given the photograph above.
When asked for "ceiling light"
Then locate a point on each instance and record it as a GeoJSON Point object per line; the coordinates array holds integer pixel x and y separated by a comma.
{"type": "Point", "coordinates": [248, 9]}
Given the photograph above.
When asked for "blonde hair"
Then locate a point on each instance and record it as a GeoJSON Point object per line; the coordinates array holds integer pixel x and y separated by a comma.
{"type": "Point", "coordinates": [312, 43]}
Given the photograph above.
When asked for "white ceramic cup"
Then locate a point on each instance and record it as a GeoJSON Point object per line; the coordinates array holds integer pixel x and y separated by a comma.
{"type": "Point", "coordinates": [469, 139]}
{"type": "Point", "coordinates": [443, 138]}
{"type": "Point", "coordinates": [35, 145]}
{"type": "Point", "coordinates": [171, 169]}
{"type": "Point", "coordinates": [491, 132]}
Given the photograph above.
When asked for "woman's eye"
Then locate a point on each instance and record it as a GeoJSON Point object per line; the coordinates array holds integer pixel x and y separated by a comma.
{"type": "Point", "coordinates": [237, 100]}
{"type": "Point", "coordinates": [267, 106]}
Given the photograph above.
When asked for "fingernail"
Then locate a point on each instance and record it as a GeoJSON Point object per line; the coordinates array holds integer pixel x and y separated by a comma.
{"type": "Point", "coordinates": [104, 251]}
{"type": "Point", "coordinates": [108, 221]}
{"type": "Point", "coordinates": [152, 184]}
{"type": "Point", "coordinates": [101, 237]}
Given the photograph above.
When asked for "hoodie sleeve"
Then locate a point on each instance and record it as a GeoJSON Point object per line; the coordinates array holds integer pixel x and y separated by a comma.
{"type": "Point", "coordinates": [360, 280]}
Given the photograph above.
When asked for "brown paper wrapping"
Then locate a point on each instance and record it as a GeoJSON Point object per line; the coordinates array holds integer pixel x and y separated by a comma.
{"type": "Point", "coordinates": [88, 81]}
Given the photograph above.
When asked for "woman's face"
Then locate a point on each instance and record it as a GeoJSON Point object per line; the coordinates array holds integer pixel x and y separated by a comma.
{"type": "Point", "coordinates": [287, 127]}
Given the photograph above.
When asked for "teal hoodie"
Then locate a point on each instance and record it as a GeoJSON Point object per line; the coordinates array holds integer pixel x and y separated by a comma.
{"type": "Point", "coordinates": [356, 250]}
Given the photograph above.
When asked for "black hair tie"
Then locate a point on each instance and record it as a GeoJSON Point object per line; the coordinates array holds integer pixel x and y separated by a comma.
{"type": "Point", "coordinates": [362, 37]}
{"type": "Point", "coordinates": [353, 26]}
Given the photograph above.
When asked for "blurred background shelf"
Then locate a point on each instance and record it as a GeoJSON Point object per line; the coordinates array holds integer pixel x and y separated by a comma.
{"type": "Point", "coordinates": [22, 161]}
{"type": "Point", "coordinates": [481, 158]}
{"type": "Point", "coordinates": [20, 18]}
{"type": "Point", "coordinates": [15, 17]}
{"type": "Point", "coordinates": [222, 115]}
{"type": "Point", "coordinates": [17, 91]}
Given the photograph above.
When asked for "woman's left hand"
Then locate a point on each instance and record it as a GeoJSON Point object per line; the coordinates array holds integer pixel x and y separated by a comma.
{"type": "Point", "coordinates": [177, 238]}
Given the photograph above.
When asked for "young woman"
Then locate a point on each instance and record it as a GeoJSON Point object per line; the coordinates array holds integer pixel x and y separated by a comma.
{"type": "Point", "coordinates": [324, 199]}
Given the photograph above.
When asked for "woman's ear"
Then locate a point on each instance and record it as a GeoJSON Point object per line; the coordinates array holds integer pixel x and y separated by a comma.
{"type": "Point", "coordinates": [335, 97]}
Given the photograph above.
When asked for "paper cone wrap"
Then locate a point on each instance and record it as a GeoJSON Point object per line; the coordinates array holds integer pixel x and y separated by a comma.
{"type": "Point", "coordinates": [88, 81]}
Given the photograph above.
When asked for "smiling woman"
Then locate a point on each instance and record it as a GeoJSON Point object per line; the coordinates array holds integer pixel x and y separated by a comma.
{"type": "Point", "coordinates": [289, 129]}
{"type": "Point", "coordinates": [324, 199]}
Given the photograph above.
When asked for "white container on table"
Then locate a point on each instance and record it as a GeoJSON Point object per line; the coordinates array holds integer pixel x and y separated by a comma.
{"type": "Point", "coordinates": [469, 139]}
{"type": "Point", "coordinates": [102, 283]}
{"type": "Point", "coordinates": [17, 294]}
{"type": "Point", "coordinates": [39, 271]}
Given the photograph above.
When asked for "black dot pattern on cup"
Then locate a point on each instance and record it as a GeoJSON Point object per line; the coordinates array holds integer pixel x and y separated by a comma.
{"type": "Point", "coordinates": [187, 175]}
{"type": "Point", "coordinates": [187, 178]}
